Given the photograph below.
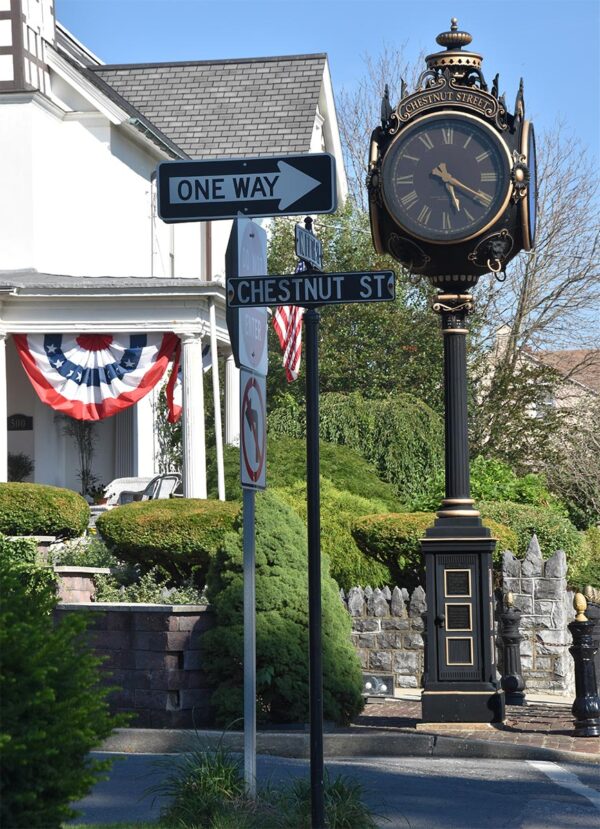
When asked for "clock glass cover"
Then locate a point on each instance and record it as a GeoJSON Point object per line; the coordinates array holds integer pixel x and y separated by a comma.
{"type": "Point", "coordinates": [446, 177]}
{"type": "Point", "coordinates": [530, 207]}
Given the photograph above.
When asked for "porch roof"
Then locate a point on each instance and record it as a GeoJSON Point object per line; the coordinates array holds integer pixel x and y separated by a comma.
{"type": "Point", "coordinates": [34, 283]}
{"type": "Point", "coordinates": [32, 302]}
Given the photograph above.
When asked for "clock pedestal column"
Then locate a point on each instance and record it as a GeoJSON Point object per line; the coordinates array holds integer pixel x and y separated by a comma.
{"type": "Point", "coordinates": [460, 673]}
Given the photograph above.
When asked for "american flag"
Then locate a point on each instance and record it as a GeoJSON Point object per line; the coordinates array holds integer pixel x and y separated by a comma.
{"type": "Point", "coordinates": [287, 322]}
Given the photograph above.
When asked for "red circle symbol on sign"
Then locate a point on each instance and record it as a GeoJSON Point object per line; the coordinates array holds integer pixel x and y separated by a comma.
{"type": "Point", "coordinates": [253, 421]}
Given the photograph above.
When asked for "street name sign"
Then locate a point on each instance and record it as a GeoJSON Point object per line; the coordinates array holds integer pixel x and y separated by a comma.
{"type": "Point", "coordinates": [226, 188]}
{"type": "Point", "coordinates": [253, 430]}
{"type": "Point", "coordinates": [311, 289]}
{"type": "Point", "coordinates": [308, 247]}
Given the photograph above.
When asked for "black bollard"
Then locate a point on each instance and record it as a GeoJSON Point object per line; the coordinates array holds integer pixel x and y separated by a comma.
{"type": "Point", "coordinates": [592, 612]}
{"type": "Point", "coordinates": [512, 680]}
{"type": "Point", "coordinates": [586, 708]}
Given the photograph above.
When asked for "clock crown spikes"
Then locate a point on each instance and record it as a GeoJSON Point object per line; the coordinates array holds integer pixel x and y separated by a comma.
{"type": "Point", "coordinates": [454, 58]}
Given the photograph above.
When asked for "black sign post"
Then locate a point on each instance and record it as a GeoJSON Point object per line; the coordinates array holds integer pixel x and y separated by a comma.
{"type": "Point", "coordinates": [312, 289]}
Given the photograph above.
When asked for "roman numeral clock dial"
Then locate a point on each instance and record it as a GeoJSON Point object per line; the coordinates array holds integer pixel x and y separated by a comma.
{"type": "Point", "coordinates": [446, 177]}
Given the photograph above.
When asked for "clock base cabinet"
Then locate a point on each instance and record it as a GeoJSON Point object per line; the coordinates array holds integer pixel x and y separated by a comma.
{"type": "Point", "coordinates": [461, 683]}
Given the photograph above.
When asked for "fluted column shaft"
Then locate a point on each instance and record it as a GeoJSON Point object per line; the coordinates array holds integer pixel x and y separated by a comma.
{"type": "Point", "coordinates": [192, 426]}
{"type": "Point", "coordinates": [455, 395]}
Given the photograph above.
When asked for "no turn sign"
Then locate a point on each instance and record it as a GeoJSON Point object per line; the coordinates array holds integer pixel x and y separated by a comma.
{"type": "Point", "coordinates": [253, 430]}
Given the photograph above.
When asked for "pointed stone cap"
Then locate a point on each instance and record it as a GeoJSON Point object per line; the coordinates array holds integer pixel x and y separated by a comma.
{"type": "Point", "coordinates": [533, 563]}
{"type": "Point", "coordinates": [511, 566]}
{"type": "Point", "coordinates": [556, 565]}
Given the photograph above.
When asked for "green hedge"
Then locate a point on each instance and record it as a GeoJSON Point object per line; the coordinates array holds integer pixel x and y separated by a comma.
{"type": "Point", "coordinates": [492, 480]}
{"type": "Point", "coordinates": [281, 626]}
{"type": "Point", "coordinates": [180, 535]}
{"type": "Point", "coordinates": [286, 466]}
{"type": "Point", "coordinates": [394, 540]}
{"type": "Point", "coordinates": [349, 565]}
{"type": "Point", "coordinates": [586, 570]}
{"type": "Point", "coordinates": [554, 530]}
{"type": "Point", "coordinates": [36, 509]}
{"type": "Point", "coordinates": [53, 711]}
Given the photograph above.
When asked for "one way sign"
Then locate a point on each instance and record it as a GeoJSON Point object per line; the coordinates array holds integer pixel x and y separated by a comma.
{"type": "Point", "coordinates": [225, 188]}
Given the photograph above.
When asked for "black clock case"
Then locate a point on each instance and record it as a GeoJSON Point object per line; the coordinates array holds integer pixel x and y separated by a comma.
{"type": "Point", "coordinates": [458, 263]}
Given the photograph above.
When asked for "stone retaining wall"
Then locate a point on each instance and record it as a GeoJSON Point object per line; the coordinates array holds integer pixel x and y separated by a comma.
{"type": "Point", "coordinates": [387, 632]}
{"type": "Point", "coordinates": [152, 653]}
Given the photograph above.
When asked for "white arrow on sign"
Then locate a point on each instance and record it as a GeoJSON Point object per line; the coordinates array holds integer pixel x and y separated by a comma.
{"type": "Point", "coordinates": [288, 184]}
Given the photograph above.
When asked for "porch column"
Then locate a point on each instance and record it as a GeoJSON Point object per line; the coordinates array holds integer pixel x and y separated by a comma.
{"type": "Point", "coordinates": [232, 402]}
{"type": "Point", "coordinates": [3, 412]}
{"type": "Point", "coordinates": [192, 422]}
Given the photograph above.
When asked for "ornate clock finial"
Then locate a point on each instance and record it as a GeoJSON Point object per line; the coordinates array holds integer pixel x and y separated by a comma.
{"type": "Point", "coordinates": [454, 39]}
{"type": "Point", "coordinates": [458, 62]}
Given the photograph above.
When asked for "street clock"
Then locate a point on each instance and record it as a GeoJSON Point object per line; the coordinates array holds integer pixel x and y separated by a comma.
{"type": "Point", "coordinates": [452, 183]}
{"type": "Point", "coordinates": [452, 196]}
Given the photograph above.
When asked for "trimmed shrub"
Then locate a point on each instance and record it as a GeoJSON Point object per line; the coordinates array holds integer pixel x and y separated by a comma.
{"type": "Point", "coordinates": [36, 509]}
{"type": "Point", "coordinates": [53, 712]}
{"type": "Point", "coordinates": [394, 540]}
{"type": "Point", "coordinates": [281, 626]}
{"type": "Point", "coordinates": [180, 535]}
{"type": "Point", "coordinates": [554, 530]}
{"type": "Point", "coordinates": [286, 466]}
{"type": "Point", "coordinates": [349, 566]}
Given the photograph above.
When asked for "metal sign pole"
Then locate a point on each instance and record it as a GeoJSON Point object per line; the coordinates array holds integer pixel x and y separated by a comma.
{"type": "Point", "coordinates": [249, 642]}
{"type": "Point", "coordinates": [311, 331]}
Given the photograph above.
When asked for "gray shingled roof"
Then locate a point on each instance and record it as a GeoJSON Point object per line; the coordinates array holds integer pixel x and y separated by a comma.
{"type": "Point", "coordinates": [254, 106]}
{"type": "Point", "coordinates": [33, 282]}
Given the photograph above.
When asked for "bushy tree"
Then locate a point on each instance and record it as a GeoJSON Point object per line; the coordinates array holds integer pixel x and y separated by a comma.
{"type": "Point", "coordinates": [373, 348]}
{"type": "Point", "coordinates": [399, 435]}
{"type": "Point", "coordinates": [281, 626]}
{"type": "Point", "coordinates": [53, 710]}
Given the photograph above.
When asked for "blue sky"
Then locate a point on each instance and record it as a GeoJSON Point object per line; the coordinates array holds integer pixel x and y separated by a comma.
{"type": "Point", "coordinates": [553, 44]}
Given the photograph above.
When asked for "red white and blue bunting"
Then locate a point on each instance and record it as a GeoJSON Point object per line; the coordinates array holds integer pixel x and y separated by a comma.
{"type": "Point", "coordinates": [94, 376]}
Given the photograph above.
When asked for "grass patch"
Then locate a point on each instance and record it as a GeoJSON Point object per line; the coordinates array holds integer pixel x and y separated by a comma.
{"type": "Point", "coordinates": [205, 790]}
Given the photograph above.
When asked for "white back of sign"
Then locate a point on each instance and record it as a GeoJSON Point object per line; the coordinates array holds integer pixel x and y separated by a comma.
{"type": "Point", "coordinates": [252, 261]}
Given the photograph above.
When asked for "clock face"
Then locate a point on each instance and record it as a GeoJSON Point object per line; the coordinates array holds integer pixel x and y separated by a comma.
{"type": "Point", "coordinates": [446, 177]}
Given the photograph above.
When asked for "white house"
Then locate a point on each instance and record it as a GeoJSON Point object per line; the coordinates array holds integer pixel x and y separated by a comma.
{"type": "Point", "coordinates": [81, 248]}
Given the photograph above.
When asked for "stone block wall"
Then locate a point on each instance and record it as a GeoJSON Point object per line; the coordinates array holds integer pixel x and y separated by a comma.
{"type": "Point", "coordinates": [151, 653]}
{"type": "Point", "coordinates": [539, 590]}
{"type": "Point", "coordinates": [387, 632]}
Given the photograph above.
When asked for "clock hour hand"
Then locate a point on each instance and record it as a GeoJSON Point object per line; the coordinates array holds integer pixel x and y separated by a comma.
{"type": "Point", "coordinates": [442, 172]}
